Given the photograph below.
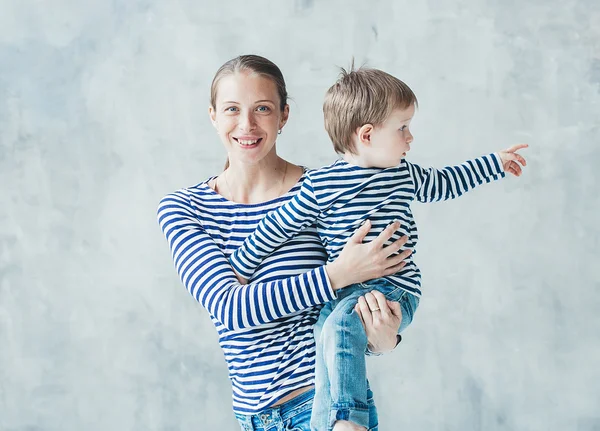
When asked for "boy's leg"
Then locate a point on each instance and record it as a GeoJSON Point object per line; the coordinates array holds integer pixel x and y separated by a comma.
{"type": "Point", "coordinates": [373, 416]}
{"type": "Point", "coordinates": [408, 305]}
{"type": "Point", "coordinates": [322, 400]}
{"type": "Point", "coordinates": [343, 341]}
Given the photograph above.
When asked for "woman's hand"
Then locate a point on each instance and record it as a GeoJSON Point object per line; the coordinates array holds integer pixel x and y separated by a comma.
{"type": "Point", "coordinates": [359, 262]}
{"type": "Point", "coordinates": [381, 319]}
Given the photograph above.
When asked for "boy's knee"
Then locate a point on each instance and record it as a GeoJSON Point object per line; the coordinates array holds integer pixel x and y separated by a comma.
{"type": "Point", "coordinates": [346, 325]}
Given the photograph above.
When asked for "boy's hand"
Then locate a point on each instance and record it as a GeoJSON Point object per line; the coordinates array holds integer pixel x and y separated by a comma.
{"type": "Point", "coordinates": [241, 279]}
{"type": "Point", "coordinates": [511, 159]}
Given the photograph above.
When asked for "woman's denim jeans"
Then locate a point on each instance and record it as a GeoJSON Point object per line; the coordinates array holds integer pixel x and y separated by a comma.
{"type": "Point", "coordinates": [293, 415]}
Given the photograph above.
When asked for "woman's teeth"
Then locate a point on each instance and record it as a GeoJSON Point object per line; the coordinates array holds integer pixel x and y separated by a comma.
{"type": "Point", "coordinates": [244, 142]}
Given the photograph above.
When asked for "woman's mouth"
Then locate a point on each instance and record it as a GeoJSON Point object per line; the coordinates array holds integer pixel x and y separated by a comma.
{"type": "Point", "coordinates": [248, 142]}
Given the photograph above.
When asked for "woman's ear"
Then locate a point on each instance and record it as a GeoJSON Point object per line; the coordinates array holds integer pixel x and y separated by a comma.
{"type": "Point", "coordinates": [284, 116]}
{"type": "Point", "coordinates": [213, 116]}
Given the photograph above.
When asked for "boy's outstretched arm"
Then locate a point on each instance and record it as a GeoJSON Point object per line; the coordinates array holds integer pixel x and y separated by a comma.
{"type": "Point", "coordinates": [432, 185]}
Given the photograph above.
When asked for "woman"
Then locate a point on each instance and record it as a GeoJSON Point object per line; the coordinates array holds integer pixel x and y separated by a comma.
{"type": "Point", "coordinates": [265, 327]}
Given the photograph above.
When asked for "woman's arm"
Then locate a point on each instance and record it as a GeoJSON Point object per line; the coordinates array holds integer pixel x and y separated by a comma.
{"type": "Point", "coordinates": [207, 275]}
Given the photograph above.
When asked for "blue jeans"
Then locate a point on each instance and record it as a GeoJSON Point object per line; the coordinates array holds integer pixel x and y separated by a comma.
{"type": "Point", "coordinates": [341, 385]}
{"type": "Point", "coordinates": [293, 415]}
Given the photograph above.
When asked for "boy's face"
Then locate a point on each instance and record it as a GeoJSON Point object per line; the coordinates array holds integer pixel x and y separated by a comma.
{"type": "Point", "coordinates": [390, 141]}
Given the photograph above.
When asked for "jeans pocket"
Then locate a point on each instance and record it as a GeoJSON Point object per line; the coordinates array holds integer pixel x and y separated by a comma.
{"type": "Point", "coordinates": [299, 422]}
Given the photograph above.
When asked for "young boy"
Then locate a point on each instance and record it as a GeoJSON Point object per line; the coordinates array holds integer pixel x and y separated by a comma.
{"type": "Point", "coordinates": [367, 115]}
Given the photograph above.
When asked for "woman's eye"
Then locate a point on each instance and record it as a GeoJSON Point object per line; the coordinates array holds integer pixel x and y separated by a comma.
{"type": "Point", "coordinates": [231, 109]}
{"type": "Point", "coordinates": [263, 109]}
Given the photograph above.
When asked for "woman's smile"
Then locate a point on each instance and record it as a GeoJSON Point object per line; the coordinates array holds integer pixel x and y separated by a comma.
{"type": "Point", "coordinates": [247, 142]}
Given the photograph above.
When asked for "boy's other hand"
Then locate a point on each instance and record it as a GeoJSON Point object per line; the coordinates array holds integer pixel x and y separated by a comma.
{"type": "Point", "coordinates": [511, 159]}
{"type": "Point", "coordinates": [241, 279]}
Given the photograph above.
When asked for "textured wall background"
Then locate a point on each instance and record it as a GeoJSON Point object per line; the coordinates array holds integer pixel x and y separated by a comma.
{"type": "Point", "coordinates": [103, 110]}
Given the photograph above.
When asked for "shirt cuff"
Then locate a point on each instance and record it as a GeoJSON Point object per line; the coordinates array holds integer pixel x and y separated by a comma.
{"type": "Point", "coordinates": [497, 166]}
{"type": "Point", "coordinates": [330, 294]}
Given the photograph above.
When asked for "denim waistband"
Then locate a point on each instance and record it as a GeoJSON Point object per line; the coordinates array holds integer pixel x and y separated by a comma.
{"type": "Point", "coordinates": [281, 412]}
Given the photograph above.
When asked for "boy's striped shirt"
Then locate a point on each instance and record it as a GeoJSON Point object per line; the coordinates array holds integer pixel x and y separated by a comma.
{"type": "Point", "coordinates": [341, 196]}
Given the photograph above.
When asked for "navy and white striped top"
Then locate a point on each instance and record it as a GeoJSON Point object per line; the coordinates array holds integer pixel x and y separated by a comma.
{"type": "Point", "coordinates": [265, 327]}
{"type": "Point", "coordinates": [341, 196]}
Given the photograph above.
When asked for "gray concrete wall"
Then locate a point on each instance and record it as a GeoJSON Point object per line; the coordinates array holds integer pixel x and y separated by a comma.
{"type": "Point", "coordinates": [103, 110]}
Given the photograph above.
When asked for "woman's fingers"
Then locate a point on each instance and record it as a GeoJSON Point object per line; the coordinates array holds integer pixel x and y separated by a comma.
{"type": "Point", "coordinates": [400, 257]}
{"type": "Point", "coordinates": [395, 247]}
{"type": "Point", "coordinates": [385, 235]}
{"type": "Point", "coordinates": [395, 309]}
{"type": "Point", "coordinates": [365, 311]}
{"type": "Point", "coordinates": [359, 312]}
{"type": "Point", "coordinates": [394, 269]}
{"type": "Point", "coordinates": [377, 304]}
{"type": "Point", "coordinates": [372, 302]}
{"type": "Point", "coordinates": [360, 233]}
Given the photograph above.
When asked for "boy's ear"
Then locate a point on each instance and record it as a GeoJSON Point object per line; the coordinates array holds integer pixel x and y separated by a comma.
{"type": "Point", "coordinates": [364, 134]}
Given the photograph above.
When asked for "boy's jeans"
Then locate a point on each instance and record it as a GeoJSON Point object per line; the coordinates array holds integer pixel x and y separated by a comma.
{"type": "Point", "coordinates": [340, 371]}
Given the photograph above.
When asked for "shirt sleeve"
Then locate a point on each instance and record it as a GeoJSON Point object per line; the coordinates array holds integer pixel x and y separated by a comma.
{"type": "Point", "coordinates": [275, 228]}
{"type": "Point", "coordinates": [432, 185]}
{"type": "Point", "coordinates": [205, 272]}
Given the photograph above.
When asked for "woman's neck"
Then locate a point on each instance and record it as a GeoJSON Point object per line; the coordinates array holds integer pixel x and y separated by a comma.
{"type": "Point", "coordinates": [261, 182]}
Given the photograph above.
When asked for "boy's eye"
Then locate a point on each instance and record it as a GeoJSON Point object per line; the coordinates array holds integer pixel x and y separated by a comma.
{"type": "Point", "coordinates": [403, 128]}
{"type": "Point", "coordinates": [263, 108]}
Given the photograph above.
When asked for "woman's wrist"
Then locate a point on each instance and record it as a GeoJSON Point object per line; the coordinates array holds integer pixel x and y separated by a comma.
{"type": "Point", "coordinates": [337, 275]}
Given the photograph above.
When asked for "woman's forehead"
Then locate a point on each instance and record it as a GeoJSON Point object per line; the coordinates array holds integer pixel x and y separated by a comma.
{"type": "Point", "coordinates": [246, 86]}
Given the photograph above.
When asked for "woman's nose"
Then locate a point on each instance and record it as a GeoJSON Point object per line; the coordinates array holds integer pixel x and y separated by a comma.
{"type": "Point", "coordinates": [247, 122]}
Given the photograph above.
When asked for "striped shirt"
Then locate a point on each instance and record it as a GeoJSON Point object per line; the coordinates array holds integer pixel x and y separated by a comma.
{"type": "Point", "coordinates": [341, 196]}
{"type": "Point", "coordinates": [265, 327]}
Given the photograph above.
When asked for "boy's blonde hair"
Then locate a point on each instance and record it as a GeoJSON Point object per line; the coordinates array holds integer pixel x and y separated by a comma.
{"type": "Point", "coordinates": [359, 97]}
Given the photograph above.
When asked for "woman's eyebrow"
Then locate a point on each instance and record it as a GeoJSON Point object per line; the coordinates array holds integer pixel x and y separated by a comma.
{"type": "Point", "coordinates": [265, 100]}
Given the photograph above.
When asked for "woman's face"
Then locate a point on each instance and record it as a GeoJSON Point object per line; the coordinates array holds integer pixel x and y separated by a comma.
{"type": "Point", "coordinates": [247, 116]}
